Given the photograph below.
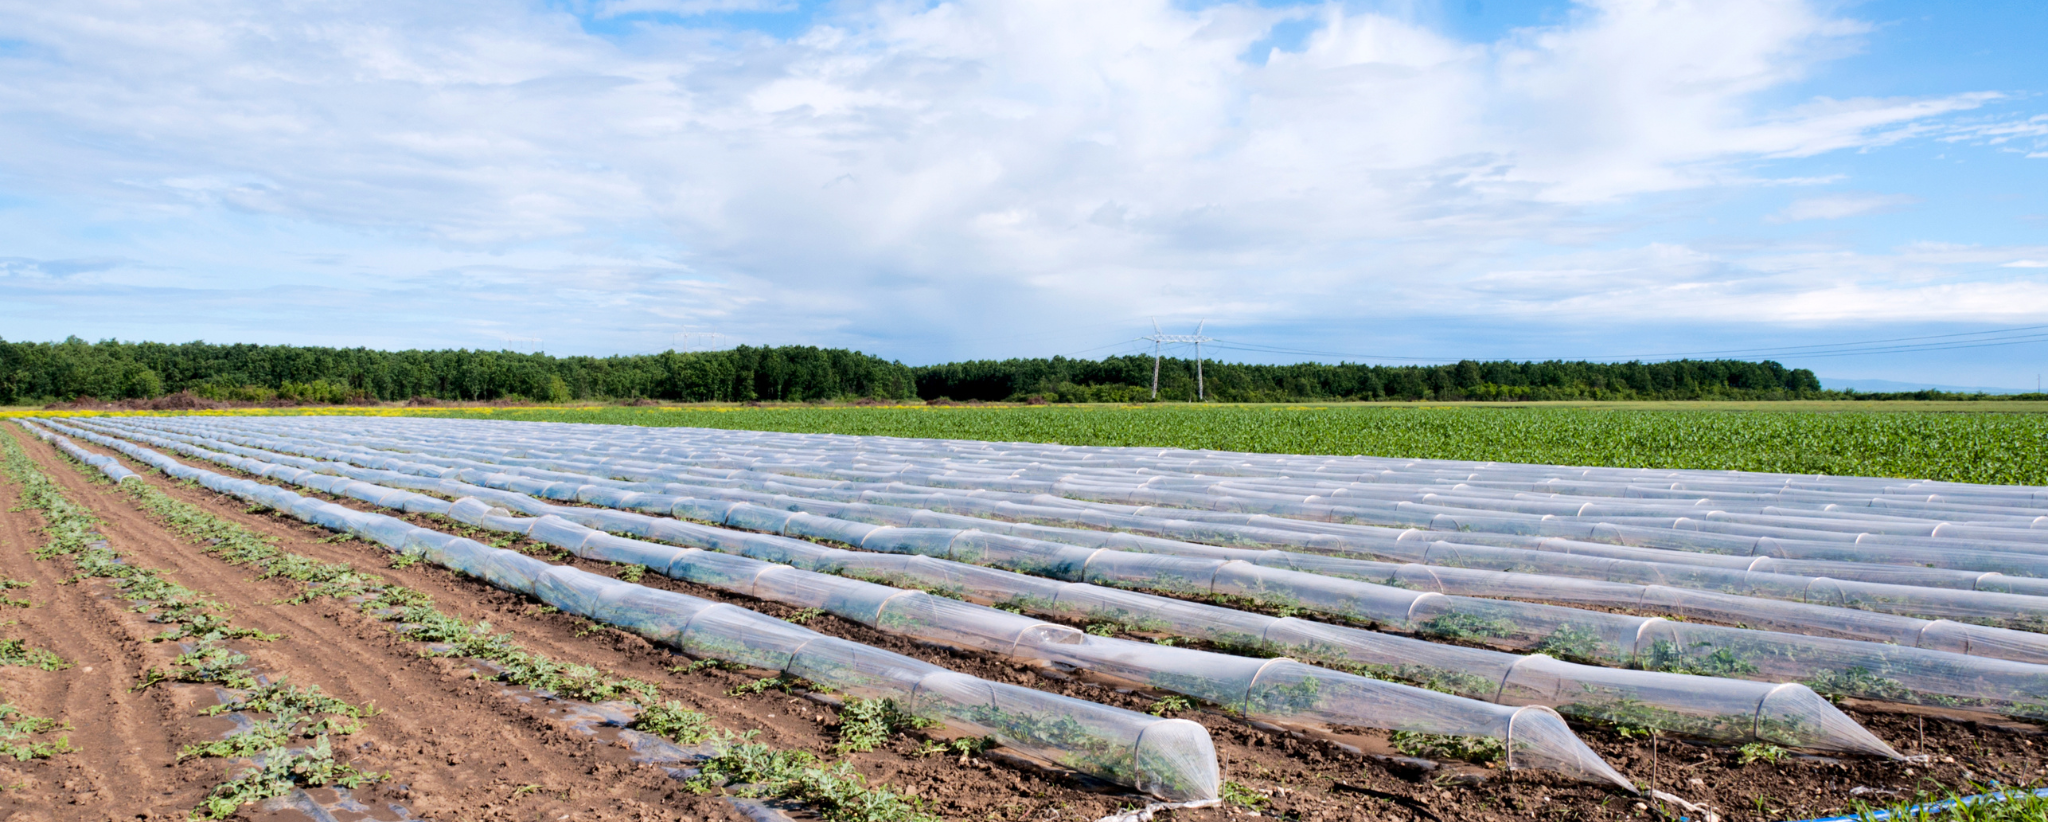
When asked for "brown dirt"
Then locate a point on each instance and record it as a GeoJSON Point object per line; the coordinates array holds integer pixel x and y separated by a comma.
{"type": "Point", "coordinates": [1303, 775]}
{"type": "Point", "coordinates": [124, 765]}
{"type": "Point", "coordinates": [456, 747]}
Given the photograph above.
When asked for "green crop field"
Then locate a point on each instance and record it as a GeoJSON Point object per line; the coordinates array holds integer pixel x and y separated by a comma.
{"type": "Point", "coordinates": [2008, 448]}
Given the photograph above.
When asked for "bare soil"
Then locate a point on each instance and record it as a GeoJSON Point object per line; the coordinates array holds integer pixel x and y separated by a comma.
{"type": "Point", "coordinates": [1305, 775]}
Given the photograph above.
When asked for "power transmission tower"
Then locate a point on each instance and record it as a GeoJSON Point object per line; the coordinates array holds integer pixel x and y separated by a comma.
{"type": "Point", "coordinates": [690, 340]}
{"type": "Point", "coordinates": [1159, 339]}
{"type": "Point", "coordinates": [538, 346]}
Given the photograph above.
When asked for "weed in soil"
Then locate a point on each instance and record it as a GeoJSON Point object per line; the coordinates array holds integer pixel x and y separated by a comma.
{"type": "Point", "coordinates": [1236, 793]}
{"type": "Point", "coordinates": [17, 728]}
{"type": "Point", "coordinates": [835, 792]}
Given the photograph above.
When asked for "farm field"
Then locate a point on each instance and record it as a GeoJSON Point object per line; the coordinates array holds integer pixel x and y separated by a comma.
{"type": "Point", "coordinates": [1956, 442]}
{"type": "Point", "coordinates": [1989, 441]}
{"type": "Point", "coordinates": [1348, 739]}
{"type": "Point", "coordinates": [448, 736]}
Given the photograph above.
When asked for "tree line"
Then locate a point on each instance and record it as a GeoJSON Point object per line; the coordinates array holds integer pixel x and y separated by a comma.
{"type": "Point", "coordinates": [41, 372]}
{"type": "Point", "coordinates": [1129, 379]}
{"type": "Point", "coordinates": [37, 372]}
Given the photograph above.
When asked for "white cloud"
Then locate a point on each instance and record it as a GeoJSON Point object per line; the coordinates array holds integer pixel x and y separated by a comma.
{"type": "Point", "coordinates": [2025, 264]}
{"type": "Point", "coordinates": [690, 8]}
{"type": "Point", "coordinates": [948, 168]}
{"type": "Point", "coordinates": [1837, 206]}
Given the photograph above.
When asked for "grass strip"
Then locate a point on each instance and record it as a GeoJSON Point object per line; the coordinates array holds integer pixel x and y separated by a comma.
{"type": "Point", "coordinates": [296, 713]}
{"type": "Point", "coordinates": [836, 792]}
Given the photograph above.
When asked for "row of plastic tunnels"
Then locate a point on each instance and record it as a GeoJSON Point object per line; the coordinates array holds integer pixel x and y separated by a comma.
{"type": "Point", "coordinates": [1322, 593]}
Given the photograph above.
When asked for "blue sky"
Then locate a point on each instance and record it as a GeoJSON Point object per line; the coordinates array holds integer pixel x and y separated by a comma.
{"type": "Point", "coordinates": [1396, 182]}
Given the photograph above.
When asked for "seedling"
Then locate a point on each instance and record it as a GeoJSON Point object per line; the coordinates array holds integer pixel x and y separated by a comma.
{"type": "Point", "coordinates": [281, 773]}
{"type": "Point", "coordinates": [1475, 749]}
{"type": "Point", "coordinates": [17, 652]}
{"type": "Point", "coordinates": [865, 724]}
{"type": "Point", "coordinates": [1761, 752]}
{"type": "Point", "coordinates": [671, 721]}
{"type": "Point", "coordinates": [837, 793]}
{"type": "Point", "coordinates": [780, 682]}
{"type": "Point", "coordinates": [1237, 794]}
{"type": "Point", "coordinates": [15, 729]}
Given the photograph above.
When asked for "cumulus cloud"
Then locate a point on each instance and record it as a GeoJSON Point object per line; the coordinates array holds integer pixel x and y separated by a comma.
{"type": "Point", "coordinates": [905, 174]}
{"type": "Point", "coordinates": [1837, 206]}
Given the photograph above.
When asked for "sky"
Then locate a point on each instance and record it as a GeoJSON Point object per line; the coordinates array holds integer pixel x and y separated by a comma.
{"type": "Point", "coordinates": [1859, 188]}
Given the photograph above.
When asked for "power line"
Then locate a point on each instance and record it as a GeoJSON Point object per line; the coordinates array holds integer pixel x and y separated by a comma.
{"type": "Point", "coordinates": [1100, 347]}
{"type": "Point", "coordinates": [1905, 350]}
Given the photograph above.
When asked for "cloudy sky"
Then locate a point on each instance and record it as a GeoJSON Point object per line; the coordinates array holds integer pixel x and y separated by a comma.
{"type": "Point", "coordinates": [1394, 182]}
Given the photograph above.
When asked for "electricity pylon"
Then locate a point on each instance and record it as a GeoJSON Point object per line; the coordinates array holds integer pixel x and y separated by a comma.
{"type": "Point", "coordinates": [1159, 339]}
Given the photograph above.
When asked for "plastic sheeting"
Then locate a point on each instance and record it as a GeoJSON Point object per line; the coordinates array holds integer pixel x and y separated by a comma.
{"type": "Point", "coordinates": [115, 471]}
{"type": "Point", "coordinates": [1170, 758]}
{"type": "Point", "coordinates": [1798, 503]}
{"type": "Point", "coordinates": [1275, 690]}
{"type": "Point", "coordinates": [1917, 591]}
{"type": "Point", "coordinates": [1725, 595]}
{"type": "Point", "coordinates": [1790, 715]}
{"type": "Point", "coordinates": [1838, 666]}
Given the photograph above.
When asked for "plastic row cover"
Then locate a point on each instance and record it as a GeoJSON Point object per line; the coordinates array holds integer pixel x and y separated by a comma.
{"type": "Point", "coordinates": [1170, 758]}
{"type": "Point", "coordinates": [1840, 558]}
{"type": "Point", "coordinates": [1279, 689]}
{"type": "Point", "coordinates": [815, 451]}
{"type": "Point", "coordinates": [1844, 667]}
{"type": "Point", "coordinates": [1819, 612]}
{"type": "Point", "coordinates": [1794, 523]}
{"type": "Point", "coordinates": [1274, 689]}
{"type": "Point", "coordinates": [1715, 709]}
{"type": "Point", "coordinates": [115, 471]}
{"type": "Point", "coordinates": [1865, 587]}
{"type": "Point", "coordinates": [1454, 576]}
{"type": "Point", "coordinates": [1141, 461]}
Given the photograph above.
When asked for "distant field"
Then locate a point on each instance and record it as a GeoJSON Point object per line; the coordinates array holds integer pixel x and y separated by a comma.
{"type": "Point", "coordinates": [2003, 448]}
{"type": "Point", "coordinates": [1957, 441]}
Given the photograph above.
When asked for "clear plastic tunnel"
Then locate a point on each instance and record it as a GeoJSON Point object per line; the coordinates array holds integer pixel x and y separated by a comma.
{"type": "Point", "coordinates": [1228, 628]}
{"type": "Point", "coordinates": [1169, 758]}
